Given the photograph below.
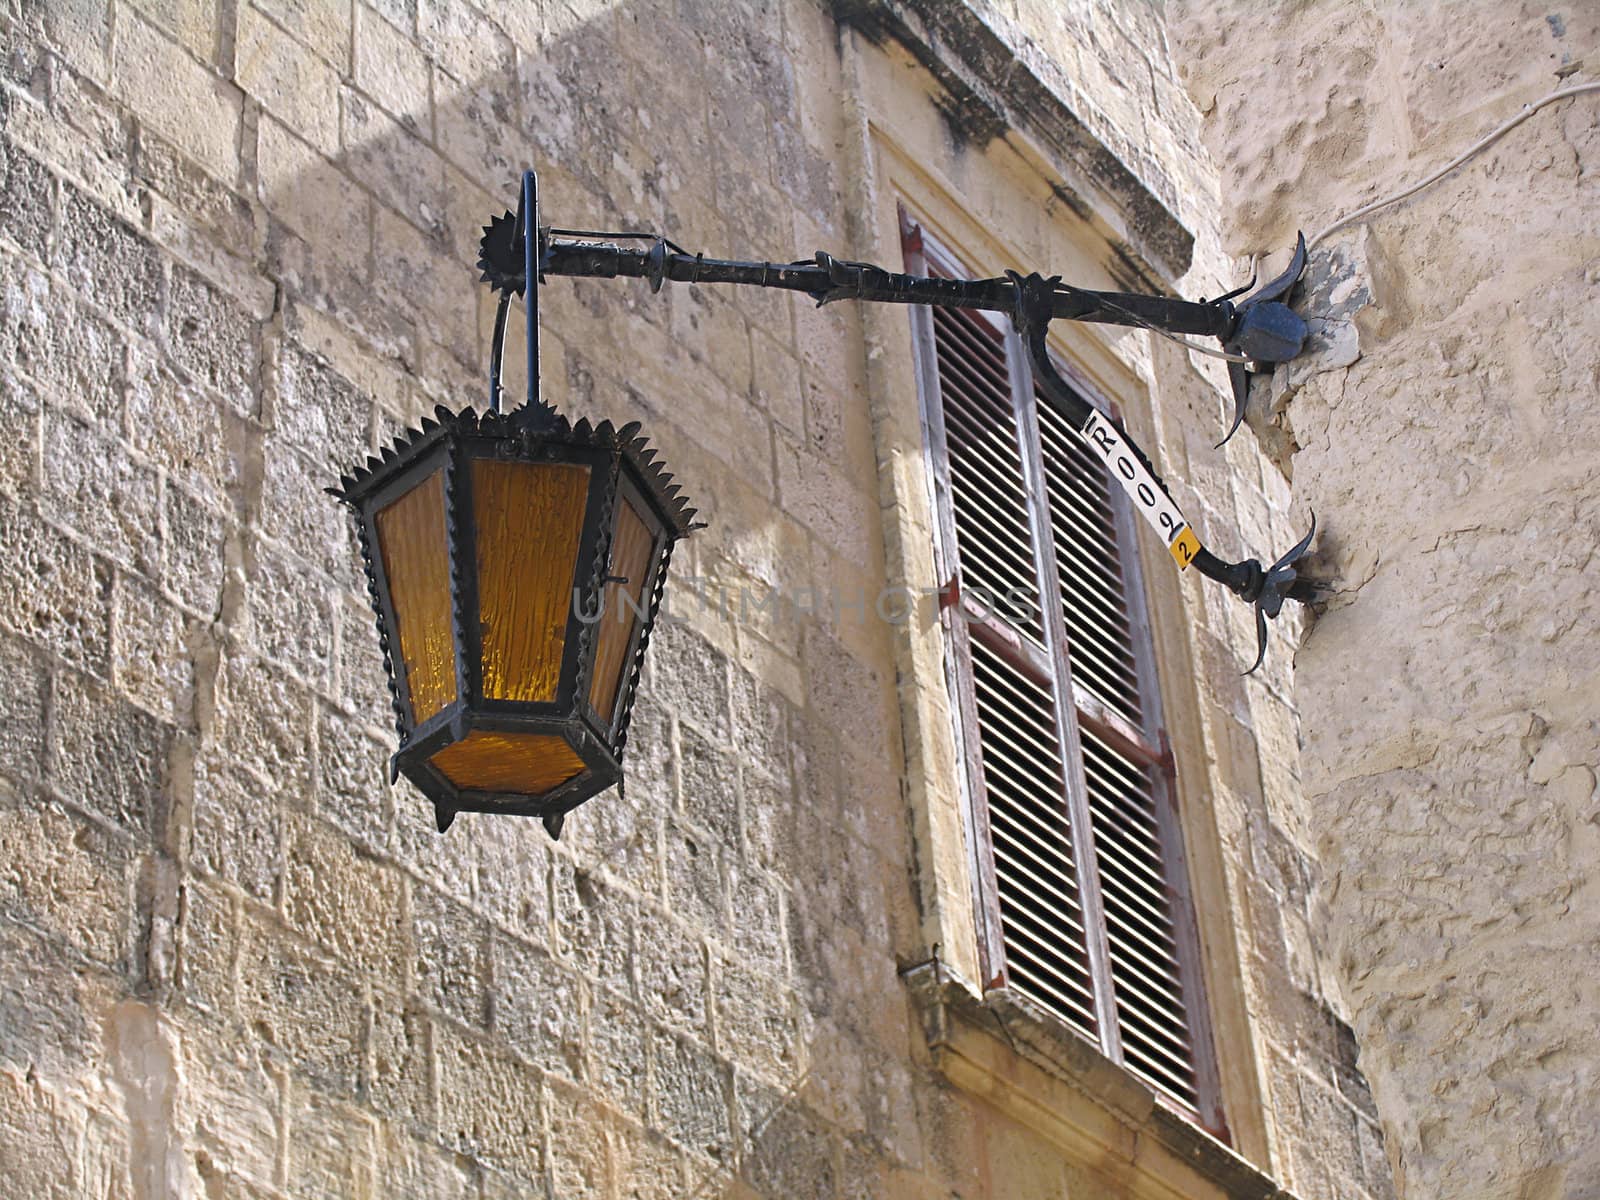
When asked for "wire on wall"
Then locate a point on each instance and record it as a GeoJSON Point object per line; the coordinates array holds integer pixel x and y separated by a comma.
{"type": "Point", "coordinates": [1476, 148]}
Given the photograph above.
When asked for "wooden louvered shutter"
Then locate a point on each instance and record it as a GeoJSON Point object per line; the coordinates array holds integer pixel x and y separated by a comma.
{"type": "Point", "coordinates": [1138, 851]}
{"type": "Point", "coordinates": [1083, 904]}
{"type": "Point", "coordinates": [1020, 769]}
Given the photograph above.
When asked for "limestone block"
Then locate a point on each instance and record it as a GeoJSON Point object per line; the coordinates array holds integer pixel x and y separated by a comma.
{"type": "Point", "coordinates": [451, 944]}
{"type": "Point", "coordinates": [712, 328]}
{"type": "Point", "coordinates": [305, 520]}
{"type": "Point", "coordinates": [467, 207]}
{"type": "Point", "coordinates": [22, 711]}
{"type": "Point", "coordinates": [889, 1098]}
{"type": "Point", "coordinates": [65, 875]}
{"type": "Point", "coordinates": [27, 202]}
{"type": "Point", "coordinates": [298, 88]}
{"type": "Point", "coordinates": [621, 835]}
{"type": "Point", "coordinates": [398, 164]}
{"type": "Point", "coordinates": [193, 553]}
{"type": "Point", "coordinates": [865, 1171]}
{"type": "Point", "coordinates": [363, 684]}
{"type": "Point", "coordinates": [758, 917]}
{"type": "Point", "coordinates": [332, 1147]}
{"type": "Point", "coordinates": [709, 777]}
{"type": "Point", "coordinates": [185, 101]}
{"type": "Point", "coordinates": [618, 1052]}
{"type": "Point", "coordinates": [107, 262]}
{"type": "Point", "coordinates": [214, 339]}
{"type": "Point", "coordinates": [579, 1163]}
{"type": "Point", "coordinates": [511, 879]}
{"type": "Point", "coordinates": [320, 411]}
{"type": "Point", "coordinates": [354, 907]}
{"type": "Point", "coordinates": [697, 892]}
{"type": "Point", "coordinates": [413, 1166]}
{"type": "Point", "coordinates": [594, 926]}
{"type": "Point", "coordinates": [450, 863]}
{"type": "Point", "coordinates": [392, 69]}
{"type": "Point", "coordinates": [398, 1074]}
{"type": "Point", "coordinates": [300, 1008]}
{"type": "Point", "coordinates": [230, 1114]}
{"type": "Point", "coordinates": [769, 821]}
{"type": "Point", "coordinates": [791, 1151]}
{"type": "Point", "coordinates": [351, 791]}
{"type": "Point", "coordinates": [490, 1106]}
{"type": "Point", "coordinates": [79, 31]}
{"type": "Point", "coordinates": [475, 127]}
{"type": "Point", "coordinates": [203, 221]}
{"type": "Point", "coordinates": [287, 615]}
{"type": "Point", "coordinates": [72, 355]}
{"type": "Point", "coordinates": [27, 310]}
{"type": "Point", "coordinates": [200, 440]}
{"type": "Point", "coordinates": [672, 975]}
{"type": "Point", "coordinates": [193, 23]}
{"type": "Point", "coordinates": [463, 41]}
{"type": "Point", "coordinates": [777, 383]}
{"type": "Point", "coordinates": [151, 660]}
{"type": "Point", "coordinates": [645, 1166]}
{"type": "Point", "coordinates": [43, 1133]}
{"type": "Point", "coordinates": [690, 680]}
{"type": "Point", "coordinates": [94, 488]}
{"type": "Point", "coordinates": [57, 592]}
{"type": "Point", "coordinates": [1377, 1169]}
{"type": "Point", "coordinates": [325, 28]}
{"type": "Point", "coordinates": [49, 1028]}
{"type": "Point", "coordinates": [691, 1089]}
{"type": "Point", "coordinates": [207, 946]}
{"type": "Point", "coordinates": [83, 135]}
{"type": "Point", "coordinates": [316, 200]}
{"type": "Point", "coordinates": [418, 265]}
{"type": "Point", "coordinates": [815, 491]}
{"type": "Point", "coordinates": [755, 1019]}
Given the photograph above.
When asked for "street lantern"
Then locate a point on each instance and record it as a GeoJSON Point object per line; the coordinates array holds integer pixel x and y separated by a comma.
{"type": "Point", "coordinates": [516, 563]}
{"type": "Point", "coordinates": [517, 560]}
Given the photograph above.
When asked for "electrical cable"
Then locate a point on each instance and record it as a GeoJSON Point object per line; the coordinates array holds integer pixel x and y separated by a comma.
{"type": "Point", "coordinates": [1476, 148]}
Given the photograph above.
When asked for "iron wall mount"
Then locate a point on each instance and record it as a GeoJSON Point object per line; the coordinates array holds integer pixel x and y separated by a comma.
{"type": "Point", "coordinates": [1255, 332]}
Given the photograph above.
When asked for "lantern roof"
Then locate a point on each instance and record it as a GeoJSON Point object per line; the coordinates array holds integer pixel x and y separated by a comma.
{"type": "Point", "coordinates": [537, 424]}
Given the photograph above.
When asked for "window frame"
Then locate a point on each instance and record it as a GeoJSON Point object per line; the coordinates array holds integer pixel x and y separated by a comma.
{"type": "Point", "coordinates": [1073, 706]}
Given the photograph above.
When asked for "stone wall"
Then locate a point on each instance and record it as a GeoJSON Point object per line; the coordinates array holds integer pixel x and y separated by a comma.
{"type": "Point", "coordinates": [1444, 433]}
{"type": "Point", "coordinates": [235, 248]}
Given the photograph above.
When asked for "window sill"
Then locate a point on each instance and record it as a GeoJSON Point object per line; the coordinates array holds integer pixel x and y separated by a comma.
{"type": "Point", "coordinates": [1003, 1049]}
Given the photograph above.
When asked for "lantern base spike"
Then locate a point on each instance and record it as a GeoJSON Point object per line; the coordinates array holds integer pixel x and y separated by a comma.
{"type": "Point", "coordinates": [553, 823]}
{"type": "Point", "coordinates": [443, 816]}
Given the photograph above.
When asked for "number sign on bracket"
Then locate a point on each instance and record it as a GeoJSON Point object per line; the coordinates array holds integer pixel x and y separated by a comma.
{"type": "Point", "coordinates": [1149, 497]}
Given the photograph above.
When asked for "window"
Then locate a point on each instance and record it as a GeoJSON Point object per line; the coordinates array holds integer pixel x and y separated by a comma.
{"type": "Point", "coordinates": [1083, 900]}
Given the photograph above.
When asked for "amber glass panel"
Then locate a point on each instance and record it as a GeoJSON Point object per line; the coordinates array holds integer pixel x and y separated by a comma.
{"type": "Point", "coordinates": [630, 559]}
{"type": "Point", "coordinates": [416, 562]}
{"type": "Point", "coordinates": [529, 516]}
{"type": "Point", "coordinates": [526, 763]}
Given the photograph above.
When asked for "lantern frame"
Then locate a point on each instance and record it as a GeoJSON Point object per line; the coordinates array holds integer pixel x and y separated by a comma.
{"type": "Point", "coordinates": [622, 470]}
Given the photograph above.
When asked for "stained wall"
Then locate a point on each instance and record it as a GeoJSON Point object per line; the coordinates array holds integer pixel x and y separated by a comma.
{"type": "Point", "coordinates": [1444, 434]}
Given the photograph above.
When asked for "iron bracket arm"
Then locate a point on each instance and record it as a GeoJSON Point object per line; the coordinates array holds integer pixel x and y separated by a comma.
{"type": "Point", "coordinates": [826, 279]}
{"type": "Point", "coordinates": [1259, 329]}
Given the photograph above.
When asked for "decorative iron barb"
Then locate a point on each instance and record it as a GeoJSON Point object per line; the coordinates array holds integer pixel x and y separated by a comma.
{"type": "Point", "coordinates": [1256, 332]}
